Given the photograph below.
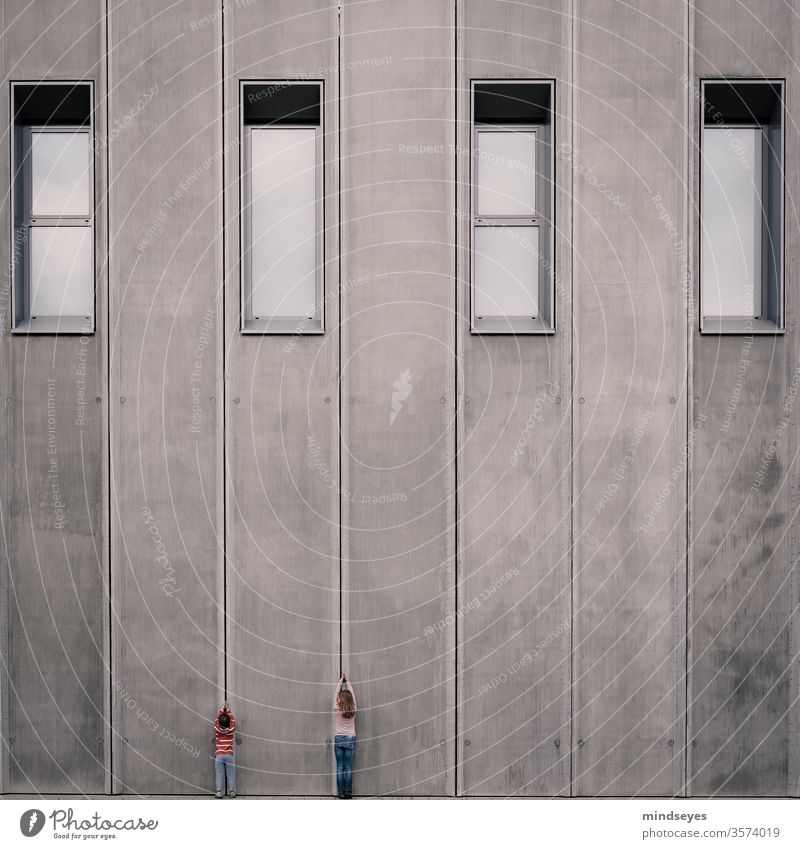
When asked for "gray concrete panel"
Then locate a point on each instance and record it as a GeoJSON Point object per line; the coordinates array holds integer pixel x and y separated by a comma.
{"type": "Point", "coordinates": [513, 610]}
{"type": "Point", "coordinates": [397, 343]}
{"type": "Point", "coordinates": [54, 470]}
{"type": "Point", "coordinates": [499, 561]}
{"type": "Point", "coordinates": [166, 425]}
{"type": "Point", "coordinates": [282, 452]}
{"type": "Point", "coordinates": [630, 401]}
{"type": "Point", "coordinates": [743, 694]}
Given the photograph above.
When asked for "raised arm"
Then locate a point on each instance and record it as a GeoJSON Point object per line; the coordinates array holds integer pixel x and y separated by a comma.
{"type": "Point", "coordinates": [345, 683]}
{"type": "Point", "coordinates": [219, 730]}
{"type": "Point", "coordinates": [349, 686]}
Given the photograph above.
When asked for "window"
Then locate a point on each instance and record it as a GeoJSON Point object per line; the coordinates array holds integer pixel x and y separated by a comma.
{"type": "Point", "coordinates": [282, 194]}
{"type": "Point", "coordinates": [741, 207]}
{"type": "Point", "coordinates": [53, 202]}
{"type": "Point", "coordinates": [512, 203]}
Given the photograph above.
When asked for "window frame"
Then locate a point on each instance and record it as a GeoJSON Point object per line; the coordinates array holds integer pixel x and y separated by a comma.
{"type": "Point", "coordinates": [280, 325]}
{"type": "Point", "coordinates": [22, 219]}
{"type": "Point", "coordinates": [742, 325]}
{"type": "Point", "coordinates": [544, 208]}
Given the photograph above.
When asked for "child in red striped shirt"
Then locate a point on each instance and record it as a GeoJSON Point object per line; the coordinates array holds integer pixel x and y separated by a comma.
{"type": "Point", "coordinates": [224, 726]}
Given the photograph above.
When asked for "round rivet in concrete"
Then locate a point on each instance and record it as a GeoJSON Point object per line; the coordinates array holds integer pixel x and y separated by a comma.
{"type": "Point", "coordinates": [100, 741]}
{"type": "Point", "coordinates": [238, 741]}
{"type": "Point", "coordinates": [237, 400]}
{"type": "Point", "coordinates": [557, 743]}
{"type": "Point", "coordinates": [558, 399]}
{"type": "Point", "coordinates": [672, 399]}
{"type": "Point", "coordinates": [581, 400]}
{"type": "Point", "coordinates": [442, 741]}
{"type": "Point", "coordinates": [580, 743]}
{"type": "Point", "coordinates": [442, 400]}
{"type": "Point", "coordinates": [694, 744]}
{"type": "Point", "coordinates": [125, 740]}
{"type": "Point", "coordinates": [327, 399]}
{"type": "Point", "coordinates": [467, 742]}
{"type": "Point", "coordinates": [11, 740]}
{"type": "Point", "coordinates": [212, 400]}
{"type": "Point", "coordinates": [670, 743]}
{"type": "Point", "coordinates": [122, 399]}
{"type": "Point", "coordinates": [696, 399]}
{"type": "Point", "coordinates": [352, 399]}
{"type": "Point", "coordinates": [9, 400]}
{"type": "Point", "coordinates": [98, 400]}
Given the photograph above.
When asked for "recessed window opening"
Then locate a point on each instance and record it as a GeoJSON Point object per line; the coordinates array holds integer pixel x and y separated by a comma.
{"type": "Point", "coordinates": [512, 203]}
{"type": "Point", "coordinates": [282, 206]}
{"type": "Point", "coordinates": [53, 264]}
{"type": "Point", "coordinates": [741, 207]}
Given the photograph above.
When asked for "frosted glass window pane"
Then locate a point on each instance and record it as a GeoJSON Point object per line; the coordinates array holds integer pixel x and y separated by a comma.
{"type": "Point", "coordinates": [507, 173]}
{"type": "Point", "coordinates": [60, 173]}
{"type": "Point", "coordinates": [506, 271]}
{"type": "Point", "coordinates": [61, 271]}
{"type": "Point", "coordinates": [731, 222]}
{"type": "Point", "coordinates": [283, 222]}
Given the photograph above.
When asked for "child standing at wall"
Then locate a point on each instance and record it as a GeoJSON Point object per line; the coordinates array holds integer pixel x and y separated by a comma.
{"type": "Point", "coordinates": [224, 726]}
{"type": "Point", "coordinates": [344, 709]}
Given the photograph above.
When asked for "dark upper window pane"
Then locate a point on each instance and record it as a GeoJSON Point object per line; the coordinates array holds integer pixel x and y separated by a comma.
{"type": "Point", "coordinates": [282, 102]}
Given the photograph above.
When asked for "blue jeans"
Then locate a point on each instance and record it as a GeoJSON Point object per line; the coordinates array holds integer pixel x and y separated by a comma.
{"type": "Point", "coordinates": [223, 766]}
{"type": "Point", "coordinates": [345, 749]}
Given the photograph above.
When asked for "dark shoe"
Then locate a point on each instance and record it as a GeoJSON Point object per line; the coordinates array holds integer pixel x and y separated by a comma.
{"type": "Point", "coordinates": [232, 795]}
{"type": "Point", "coordinates": [219, 794]}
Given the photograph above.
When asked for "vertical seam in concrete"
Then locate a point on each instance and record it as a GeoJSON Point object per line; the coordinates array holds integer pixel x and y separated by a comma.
{"type": "Point", "coordinates": [224, 393]}
{"type": "Point", "coordinates": [110, 517]}
{"type": "Point", "coordinates": [456, 327]}
{"type": "Point", "coordinates": [689, 296]}
{"type": "Point", "coordinates": [793, 766]}
{"type": "Point", "coordinates": [339, 305]}
{"type": "Point", "coordinates": [791, 754]}
{"type": "Point", "coordinates": [339, 332]}
{"type": "Point", "coordinates": [5, 672]}
{"type": "Point", "coordinates": [571, 373]}
{"type": "Point", "coordinates": [109, 683]}
{"type": "Point", "coordinates": [462, 178]}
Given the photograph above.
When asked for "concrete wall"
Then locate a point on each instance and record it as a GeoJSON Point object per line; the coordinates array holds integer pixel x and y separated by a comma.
{"type": "Point", "coordinates": [744, 578]}
{"type": "Point", "coordinates": [165, 381]}
{"type": "Point", "coordinates": [282, 458]}
{"type": "Point", "coordinates": [629, 401]}
{"type": "Point", "coordinates": [514, 623]}
{"type": "Point", "coordinates": [397, 471]}
{"type": "Point", "coordinates": [55, 471]}
{"type": "Point", "coordinates": [505, 541]}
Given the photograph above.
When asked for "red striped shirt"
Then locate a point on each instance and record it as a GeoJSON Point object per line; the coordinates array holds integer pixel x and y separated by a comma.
{"type": "Point", "coordinates": [224, 737]}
